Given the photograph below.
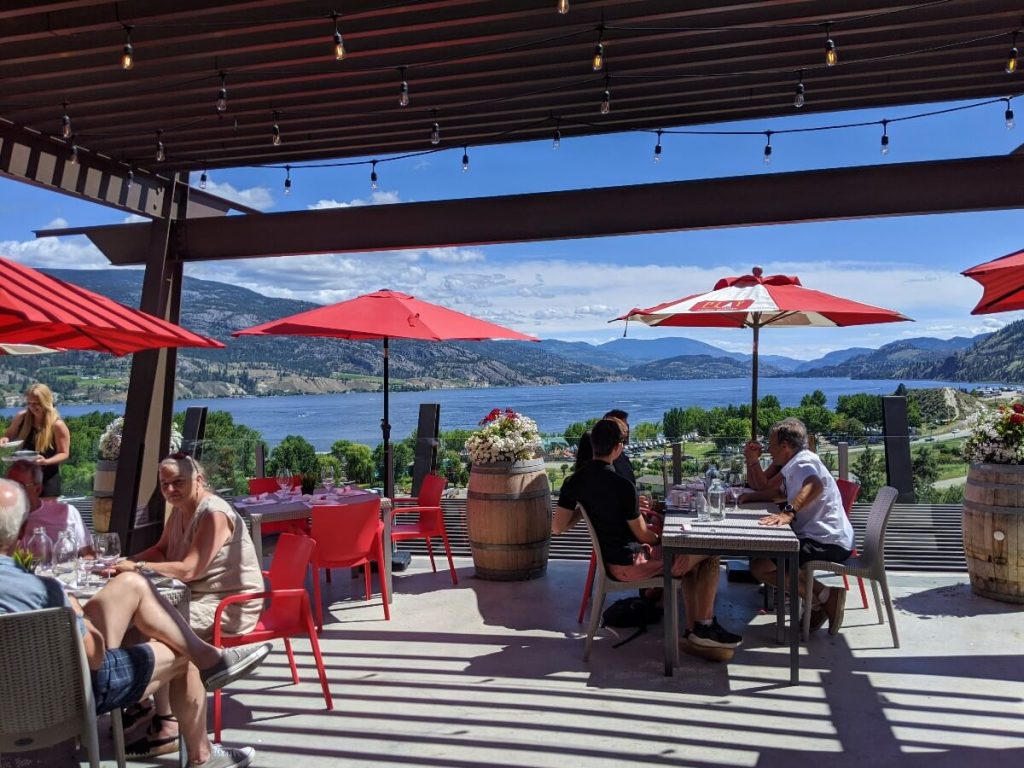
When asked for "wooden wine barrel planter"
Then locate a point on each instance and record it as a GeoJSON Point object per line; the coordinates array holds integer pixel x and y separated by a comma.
{"type": "Point", "coordinates": [994, 530]}
{"type": "Point", "coordinates": [103, 493]}
{"type": "Point", "coordinates": [508, 517]}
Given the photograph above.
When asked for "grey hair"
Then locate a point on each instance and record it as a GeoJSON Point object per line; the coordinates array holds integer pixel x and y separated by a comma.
{"type": "Point", "coordinates": [183, 465]}
{"type": "Point", "coordinates": [791, 432]}
{"type": "Point", "coordinates": [34, 470]}
{"type": "Point", "coordinates": [13, 511]}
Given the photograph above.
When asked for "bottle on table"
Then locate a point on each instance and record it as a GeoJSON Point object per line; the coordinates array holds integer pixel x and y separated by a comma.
{"type": "Point", "coordinates": [716, 499]}
{"type": "Point", "coordinates": [40, 546]}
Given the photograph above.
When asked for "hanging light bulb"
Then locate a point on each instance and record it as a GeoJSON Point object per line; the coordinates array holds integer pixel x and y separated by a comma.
{"type": "Point", "coordinates": [202, 179]}
{"type": "Point", "coordinates": [798, 98]}
{"type": "Point", "coordinates": [598, 60]}
{"type": "Point", "coordinates": [465, 159]}
{"type": "Point", "coordinates": [65, 122]}
{"type": "Point", "coordinates": [556, 140]}
{"type": "Point", "coordinates": [606, 102]}
{"type": "Point", "coordinates": [403, 89]}
{"type": "Point", "coordinates": [831, 54]}
{"type": "Point", "coordinates": [1008, 116]}
{"type": "Point", "coordinates": [287, 180]}
{"type": "Point", "coordinates": [222, 94]}
{"type": "Point", "coordinates": [129, 180]}
{"type": "Point", "coordinates": [161, 154]}
{"type": "Point", "coordinates": [1011, 60]}
{"type": "Point", "coordinates": [127, 53]}
{"type": "Point", "coordinates": [884, 146]}
{"type": "Point", "coordinates": [563, 6]}
{"type": "Point", "coordinates": [73, 157]}
{"type": "Point", "coordinates": [768, 148]}
{"type": "Point", "coordinates": [435, 130]}
{"type": "Point", "coordinates": [373, 177]}
{"type": "Point", "coordinates": [275, 132]}
{"type": "Point", "coordinates": [657, 148]}
{"type": "Point", "coordinates": [339, 44]}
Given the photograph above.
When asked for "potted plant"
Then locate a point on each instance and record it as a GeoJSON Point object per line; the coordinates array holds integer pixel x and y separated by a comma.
{"type": "Point", "coordinates": [508, 501]}
{"type": "Point", "coordinates": [993, 517]}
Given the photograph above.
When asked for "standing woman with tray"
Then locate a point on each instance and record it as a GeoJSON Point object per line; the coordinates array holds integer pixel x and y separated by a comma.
{"type": "Point", "coordinates": [41, 429]}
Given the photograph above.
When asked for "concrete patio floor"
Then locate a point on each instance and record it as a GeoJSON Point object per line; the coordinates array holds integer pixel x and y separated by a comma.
{"type": "Point", "coordinates": [490, 674]}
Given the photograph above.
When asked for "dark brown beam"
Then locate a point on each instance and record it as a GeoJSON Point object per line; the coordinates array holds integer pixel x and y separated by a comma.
{"type": "Point", "coordinates": [976, 184]}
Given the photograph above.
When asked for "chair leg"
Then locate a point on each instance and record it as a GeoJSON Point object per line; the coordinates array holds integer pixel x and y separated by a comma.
{"type": "Point", "coordinates": [805, 630]}
{"type": "Point", "coordinates": [430, 554]}
{"type": "Point", "coordinates": [291, 660]}
{"type": "Point", "coordinates": [863, 593]}
{"type": "Point", "coordinates": [382, 577]}
{"type": "Point", "coordinates": [846, 582]}
{"type": "Point", "coordinates": [596, 606]}
{"type": "Point", "coordinates": [216, 716]}
{"type": "Point", "coordinates": [588, 587]}
{"type": "Point", "coordinates": [889, 610]}
{"type": "Point", "coordinates": [91, 739]}
{"type": "Point", "coordinates": [117, 725]}
{"type": "Point", "coordinates": [878, 601]}
{"type": "Point", "coordinates": [448, 552]}
{"type": "Point", "coordinates": [315, 645]}
{"type": "Point", "coordinates": [367, 580]}
{"type": "Point", "coordinates": [318, 600]}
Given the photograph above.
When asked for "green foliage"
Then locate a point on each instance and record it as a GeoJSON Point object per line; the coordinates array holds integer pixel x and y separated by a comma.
{"type": "Point", "coordinates": [867, 409]}
{"type": "Point", "coordinates": [870, 473]}
{"type": "Point", "coordinates": [675, 423]}
{"type": "Point", "coordinates": [402, 457]}
{"type": "Point", "coordinates": [816, 418]}
{"type": "Point", "coordinates": [926, 471]}
{"type": "Point", "coordinates": [817, 399]}
{"type": "Point", "coordinates": [769, 402]}
{"type": "Point", "coordinates": [644, 430]}
{"type": "Point", "coordinates": [294, 452]}
{"type": "Point", "coordinates": [454, 468]}
{"type": "Point", "coordinates": [356, 460]}
{"type": "Point", "coordinates": [573, 431]}
{"type": "Point", "coordinates": [229, 451]}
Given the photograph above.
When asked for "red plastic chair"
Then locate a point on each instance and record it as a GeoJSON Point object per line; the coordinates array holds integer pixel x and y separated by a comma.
{"type": "Point", "coordinates": [287, 615]}
{"type": "Point", "coordinates": [258, 485]}
{"type": "Point", "coordinates": [348, 535]}
{"type": "Point", "coordinates": [849, 492]}
{"type": "Point", "coordinates": [431, 519]}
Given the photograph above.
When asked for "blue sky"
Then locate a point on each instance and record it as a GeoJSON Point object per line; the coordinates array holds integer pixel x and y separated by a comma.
{"type": "Point", "coordinates": [569, 289]}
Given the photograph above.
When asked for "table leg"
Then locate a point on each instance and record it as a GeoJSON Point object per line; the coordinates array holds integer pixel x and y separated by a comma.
{"type": "Point", "coordinates": [385, 509]}
{"type": "Point", "coordinates": [794, 619]}
{"type": "Point", "coordinates": [256, 532]}
{"type": "Point", "coordinates": [780, 598]}
{"type": "Point", "coordinates": [671, 618]}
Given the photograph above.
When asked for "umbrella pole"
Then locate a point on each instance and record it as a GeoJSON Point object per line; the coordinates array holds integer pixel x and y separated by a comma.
{"type": "Point", "coordinates": [753, 380]}
{"type": "Point", "coordinates": [385, 428]}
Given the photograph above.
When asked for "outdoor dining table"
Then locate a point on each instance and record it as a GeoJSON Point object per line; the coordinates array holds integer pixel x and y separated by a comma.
{"type": "Point", "coordinates": [273, 510]}
{"type": "Point", "coordinates": [739, 535]}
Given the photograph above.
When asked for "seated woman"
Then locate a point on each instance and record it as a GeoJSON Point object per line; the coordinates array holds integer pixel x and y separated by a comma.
{"type": "Point", "coordinates": [206, 545]}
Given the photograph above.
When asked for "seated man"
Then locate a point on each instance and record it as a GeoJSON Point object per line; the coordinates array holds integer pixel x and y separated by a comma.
{"type": "Point", "coordinates": [814, 509]}
{"type": "Point", "coordinates": [121, 676]}
{"type": "Point", "coordinates": [767, 483]}
{"type": "Point", "coordinates": [51, 515]}
{"type": "Point", "coordinates": [611, 503]}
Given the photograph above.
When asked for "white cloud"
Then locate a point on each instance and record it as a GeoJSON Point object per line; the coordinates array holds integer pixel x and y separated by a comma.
{"type": "Point", "coordinates": [134, 218]}
{"type": "Point", "coordinates": [454, 255]}
{"type": "Point", "coordinates": [376, 198]}
{"type": "Point", "coordinates": [259, 198]}
{"type": "Point", "coordinates": [58, 223]}
{"type": "Point", "coordinates": [55, 252]}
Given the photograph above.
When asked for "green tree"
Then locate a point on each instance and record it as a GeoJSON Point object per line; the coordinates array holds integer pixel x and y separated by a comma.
{"type": "Point", "coordinates": [868, 468]}
{"type": "Point", "coordinates": [402, 457]}
{"type": "Point", "coordinates": [675, 423]}
{"type": "Point", "coordinates": [734, 431]}
{"type": "Point", "coordinates": [573, 431]}
{"type": "Point", "coordinates": [769, 402]}
{"type": "Point", "coordinates": [229, 450]}
{"type": "Point", "coordinates": [356, 460]}
{"type": "Point", "coordinates": [565, 469]}
{"type": "Point", "coordinates": [926, 471]}
{"type": "Point", "coordinates": [816, 418]}
{"type": "Point", "coordinates": [645, 430]}
{"type": "Point", "coordinates": [867, 409]}
{"type": "Point", "coordinates": [454, 468]}
{"type": "Point", "coordinates": [816, 398]}
{"type": "Point", "coordinates": [294, 452]}
{"type": "Point", "coordinates": [901, 390]}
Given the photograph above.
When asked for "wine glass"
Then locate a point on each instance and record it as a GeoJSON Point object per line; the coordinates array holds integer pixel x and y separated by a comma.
{"type": "Point", "coordinates": [327, 478]}
{"type": "Point", "coordinates": [284, 481]}
{"type": "Point", "coordinates": [108, 549]}
{"type": "Point", "coordinates": [732, 497]}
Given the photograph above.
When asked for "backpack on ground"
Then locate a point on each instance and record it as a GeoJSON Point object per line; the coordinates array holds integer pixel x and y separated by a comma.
{"type": "Point", "coordinates": [631, 612]}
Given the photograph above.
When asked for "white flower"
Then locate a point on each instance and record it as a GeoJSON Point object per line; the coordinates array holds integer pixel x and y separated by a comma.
{"type": "Point", "coordinates": [110, 440]}
{"type": "Point", "coordinates": [505, 436]}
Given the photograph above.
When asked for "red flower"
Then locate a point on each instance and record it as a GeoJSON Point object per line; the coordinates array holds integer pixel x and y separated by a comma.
{"type": "Point", "coordinates": [1017, 418]}
{"type": "Point", "coordinates": [1018, 408]}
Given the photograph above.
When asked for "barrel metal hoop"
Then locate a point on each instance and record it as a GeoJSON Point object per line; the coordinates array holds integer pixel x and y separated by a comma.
{"type": "Point", "coordinates": [506, 547]}
{"type": "Point", "coordinates": [508, 496]}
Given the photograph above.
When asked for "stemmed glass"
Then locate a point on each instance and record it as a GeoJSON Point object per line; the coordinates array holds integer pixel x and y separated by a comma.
{"type": "Point", "coordinates": [732, 497]}
{"type": "Point", "coordinates": [284, 481]}
{"type": "Point", "coordinates": [327, 478]}
{"type": "Point", "coordinates": [108, 549]}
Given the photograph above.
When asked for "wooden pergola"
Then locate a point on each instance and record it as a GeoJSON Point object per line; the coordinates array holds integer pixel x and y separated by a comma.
{"type": "Point", "coordinates": [74, 120]}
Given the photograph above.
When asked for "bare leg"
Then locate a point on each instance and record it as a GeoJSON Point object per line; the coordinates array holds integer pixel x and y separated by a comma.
{"type": "Point", "coordinates": [705, 578]}
{"type": "Point", "coordinates": [188, 702]}
{"type": "Point", "coordinates": [129, 599]}
{"type": "Point", "coordinates": [764, 571]}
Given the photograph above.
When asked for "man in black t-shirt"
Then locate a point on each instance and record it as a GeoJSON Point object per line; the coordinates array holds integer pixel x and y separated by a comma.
{"type": "Point", "coordinates": [611, 504]}
{"type": "Point", "coordinates": [622, 463]}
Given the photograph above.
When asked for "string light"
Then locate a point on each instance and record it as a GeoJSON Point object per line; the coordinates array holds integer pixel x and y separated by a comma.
{"type": "Point", "coordinates": [202, 179]}
{"type": "Point", "coordinates": [1008, 116]}
{"type": "Point", "coordinates": [563, 6]}
{"type": "Point", "coordinates": [798, 98]}
{"type": "Point", "coordinates": [65, 122]}
{"type": "Point", "coordinates": [403, 90]}
{"type": "Point", "coordinates": [465, 159]}
{"type": "Point", "coordinates": [287, 180]}
{"type": "Point", "coordinates": [373, 177]}
{"type": "Point", "coordinates": [435, 130]}
{"type": "Point", "coordinates": [127, 53]}
{"type": "Point", "coordinates": [606, 98]}
{"type": "Point", "coordinates": [598, 60]}
{"type": "Point", "coordinates": [1011, 60]}
{"type": "Point", "coordinates": [129, 180]}
{"type": "Point", "coordinates": [161, 154]}
{"type": "Point", "coordinates": [73, 159]}
{"type": "Point", "coordinates": [885, 138]}
{"type": "Point", "coordinates": [556, 140]}
{"type": "Point", "coordinates": [768, 147]}
{"type": "Point", "coordinates": [339, 44]}
{"type": "Point", "coordinates": [831, 54]}
{"type": "Point", "coordinates": [275, 132]}
{"type": "Point", "coordinates": [222, 94]}
{"type": "Point", "coordinates": [657, 148]}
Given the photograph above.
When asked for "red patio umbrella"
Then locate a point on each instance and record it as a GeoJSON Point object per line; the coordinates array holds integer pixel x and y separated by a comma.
{"type": "Point", "coordinates": [1003, 281]}
{"type": "Point", "coordinates": [756, 302]}
{"type": "Point", "coordinates": [46, 311]}
{"type": "Point", "coordinates": [385, 315]}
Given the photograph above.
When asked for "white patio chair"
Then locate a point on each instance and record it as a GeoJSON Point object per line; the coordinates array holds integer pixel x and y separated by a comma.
{"type": "Point", "coordinates": [604, 584]}
{"type": "Point", "coordinates": [869, 564]}
{"type": "Point", "coordinates": [45, 688]}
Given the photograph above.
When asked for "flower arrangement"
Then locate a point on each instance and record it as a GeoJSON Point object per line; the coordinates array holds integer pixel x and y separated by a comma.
{"type": "Point", "coordinates": [110, 440]}
{"type": "Point", "coordinates": [998, 437]}
{"type": "Point", "coordinates": [505, 436]}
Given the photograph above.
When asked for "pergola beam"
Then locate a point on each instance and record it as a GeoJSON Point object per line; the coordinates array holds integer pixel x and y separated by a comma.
{"type": "Point", "coordinates": [949, 186]}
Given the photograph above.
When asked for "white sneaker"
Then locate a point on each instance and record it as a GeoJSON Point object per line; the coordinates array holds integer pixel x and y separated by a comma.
{"type": "Point", "coordinates": [227, 757]}
{"type": "Point", "coordinates": [234, 663]}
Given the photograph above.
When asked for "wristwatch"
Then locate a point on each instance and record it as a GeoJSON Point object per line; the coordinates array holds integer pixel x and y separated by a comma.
{"type": "Point", "coordinates": [790, 509]}
{"type": "Point", "coordinates": [140, 565]}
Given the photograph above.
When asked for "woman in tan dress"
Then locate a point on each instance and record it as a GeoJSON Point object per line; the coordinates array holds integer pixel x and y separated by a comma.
{"type": "Point", "coordinates": [206, 545]}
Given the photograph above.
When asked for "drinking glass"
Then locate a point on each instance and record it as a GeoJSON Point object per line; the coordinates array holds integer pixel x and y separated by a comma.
{"type": "Point", "coordinates": [65, 559]}
{"type": "Point", "coordinates": [327, 478]}
{"type": "Point", "coordinates": [284, 481]}
{"type": "Point", "coordinates": [108, 549]}
{"type": "Point", "coordinates": [732, 496]}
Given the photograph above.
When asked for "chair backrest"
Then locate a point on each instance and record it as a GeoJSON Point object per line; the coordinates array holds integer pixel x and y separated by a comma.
{"type": "Point", "coordinates": [593, 539]}
{"type": "Point", "coordinates": [345, 531]}
{"type": "Point", "coordinates": [848, 491]}
{"type": "Point", "coordinates": [290, 564]}
{"type": "Point", "coordinates": [878, 519]}
{"type": "Point", "coordinates": [430, 491]}
{"type": "Point", "coordinates": [259, 485]}
{"type": "Point", "coordinates": [45, 689]}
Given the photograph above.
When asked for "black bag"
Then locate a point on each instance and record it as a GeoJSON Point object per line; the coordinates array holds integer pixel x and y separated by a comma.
{"type": "Point", "coordinates": [631, 612]}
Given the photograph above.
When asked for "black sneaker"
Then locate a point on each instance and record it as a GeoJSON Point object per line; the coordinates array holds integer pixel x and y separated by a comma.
{"type": "Point", "coordinates": [714, 635]}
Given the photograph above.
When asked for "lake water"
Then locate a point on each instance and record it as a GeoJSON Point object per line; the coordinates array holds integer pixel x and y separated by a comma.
{"type": "Point", "coordinates": [322, 419]}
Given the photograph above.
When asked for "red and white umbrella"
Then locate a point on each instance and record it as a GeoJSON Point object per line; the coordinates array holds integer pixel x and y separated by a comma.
{"type": "Point", "coordinates": [1003, 281]}
{"type": "Point", "coordinates": [755, 301]}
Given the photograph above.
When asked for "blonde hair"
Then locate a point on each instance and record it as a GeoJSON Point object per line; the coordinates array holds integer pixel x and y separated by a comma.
{"type": "Point", "coordinates": [184, 464]}
{"type": "Point", "coordinates": [45, 437]}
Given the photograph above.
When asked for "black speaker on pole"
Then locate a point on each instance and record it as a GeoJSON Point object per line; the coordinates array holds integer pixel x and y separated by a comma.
{"type": "Point", "coordinates": [194, 431]}
{"type": "Point", "coordinates": [899, 469]}
{"type": "Point", "coordinates": [428, 431]}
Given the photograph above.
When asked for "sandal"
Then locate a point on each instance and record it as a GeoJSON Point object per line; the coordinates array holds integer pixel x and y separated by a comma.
{"type": "Point", "coordinates": [136, 713]}
{"type": "Point", "coordinates": [148, 746]}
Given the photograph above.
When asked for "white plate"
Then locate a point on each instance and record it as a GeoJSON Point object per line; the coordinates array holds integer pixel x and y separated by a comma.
{"type": "Point", "coordinates": [11, 445]}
